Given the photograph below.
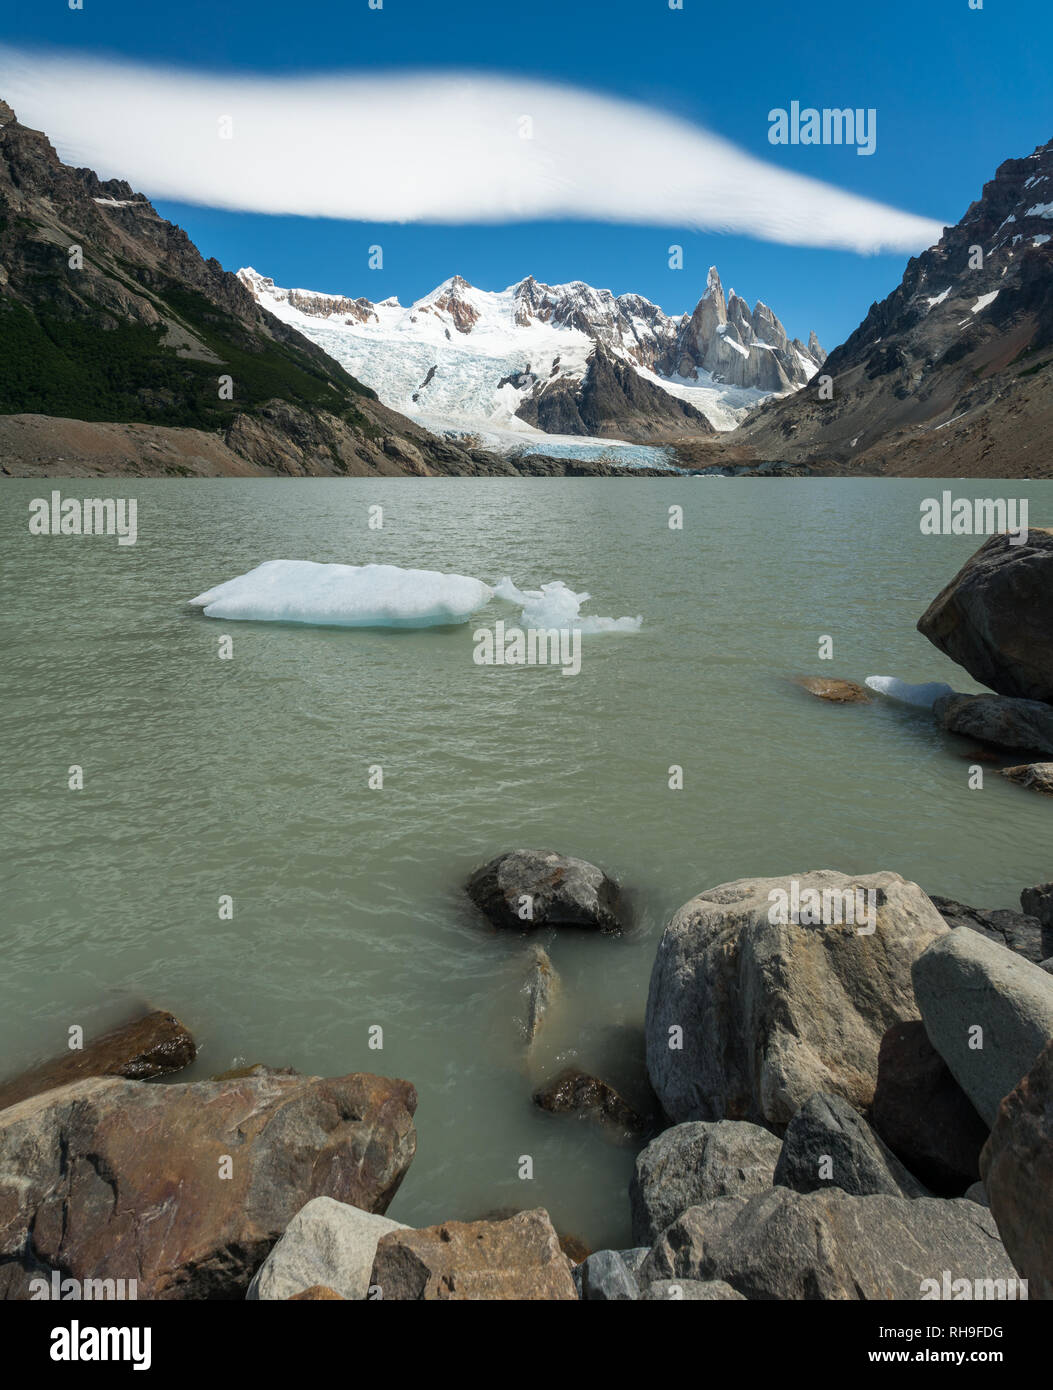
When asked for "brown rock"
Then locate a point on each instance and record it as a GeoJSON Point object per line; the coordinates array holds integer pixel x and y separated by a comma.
{"type": "Point", "coordinates": [575, 1092]}
{"type": "Point", "coordinates": [1017, 1168]}
{"type": "Point", "coordinates": [317, 1293]}
{"type": "Point", "coordinates": [185, 1188]}
{"type": "Point", "coordinates": [154, 1044]}
{"type": "Point", "coordinates": [993, 618]}
{"type": "Point", "coordinates": [515, 1259]}
{"type": "Point", "coordinates": [923, 1115]}
{"type": "Point", "coordinates": [839, 691]}
{"type": "Point", "coordinates": [1037, 777]}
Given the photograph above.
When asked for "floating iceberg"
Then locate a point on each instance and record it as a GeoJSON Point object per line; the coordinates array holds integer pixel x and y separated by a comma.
{"type": "Point", "coordinates": [556, 606]}
{"type": "Point", "coordinates": [923, 696]}
{"type": "Point", "coordinates": [301, 591]}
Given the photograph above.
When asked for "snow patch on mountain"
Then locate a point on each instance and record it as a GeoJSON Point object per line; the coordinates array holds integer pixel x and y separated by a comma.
{"type": "Point", "coordinates": [465, 360]}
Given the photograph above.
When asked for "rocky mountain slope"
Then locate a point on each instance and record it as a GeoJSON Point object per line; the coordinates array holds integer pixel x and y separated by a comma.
{"type": "Point", "coordinates": [110, 318]}
{"type": "Point", "coordinates": [565, 359]}
{"type": "Point", "coordinates": [953, 372]}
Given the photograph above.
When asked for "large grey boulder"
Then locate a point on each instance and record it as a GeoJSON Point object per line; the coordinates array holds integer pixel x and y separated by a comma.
{"type": "Point", "coordinates": [993, 617]}
{"type": "Point", "coordinates": [1017, 1164]}
{"type": "Point", "coordinates": [692, 1163]}
{"type": "Point", "coordinates": [829, 1245]}
{"type": "Point", "coordinates": [328, 1243]}
{"type": "Point", "coordinates": [997, 719]}
{"type": "Point", "coordinates": [749, 1016]}
{"type": "Point", "coordinates": [529, 888]}
{"type": "Point", "coordinates": [828, 1144]}
{"type": "Point", "coordinates": [987, 1011]}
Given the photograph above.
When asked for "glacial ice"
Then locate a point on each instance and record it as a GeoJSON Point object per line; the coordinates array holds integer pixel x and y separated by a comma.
{"type": "Point", "coordinates": [922, 696]}
{"type": "Point", "coordinates": [301, 591]}
{"type": "Point", "coordinates": [555, 605]}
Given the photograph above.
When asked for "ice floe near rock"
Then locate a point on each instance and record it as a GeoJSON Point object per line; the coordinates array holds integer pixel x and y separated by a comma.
{"type": "Point", "coordinates": [923, 696]}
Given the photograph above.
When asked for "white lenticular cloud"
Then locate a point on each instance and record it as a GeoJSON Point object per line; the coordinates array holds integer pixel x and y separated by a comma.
{"type": "Point", "coordinates": [428, 147]}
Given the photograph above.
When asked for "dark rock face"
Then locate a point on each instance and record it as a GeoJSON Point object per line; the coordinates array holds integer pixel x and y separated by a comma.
{"type": "Point", "coordinates": [1014, 930]}
{"type": "Point", "coordinates": [184, 1188]}
{"type": "Point", "coordinates": [612, 401]}
{"type": "Point", "coordinates": [515, 1259]}
{"type": "Point", "coordinates": [530, 888]}
{"type": "Point", "coordinates": [995, 617]}
{"type": "Point", "coordinates": [1017, 1167]}
{"type": "Point", "coordinates": [828, 1245]}
{"type": "Point", "coordinates": [156, 1044]}
{"type": "Point", "coordinates": [923, 1115]}
{"type": "Point", "coordinates": [923, 357]}
{"type": "Point", "coordinates": [1038, 902]}
{"type": "Point", "coordinates": [694, 1163]}
{"type": "Point", "coordinates": [998, 719]}
{"type": "Point", "coordinates": [828, 1144]}
{"type": "Point", "coordinates": [574, 1092]}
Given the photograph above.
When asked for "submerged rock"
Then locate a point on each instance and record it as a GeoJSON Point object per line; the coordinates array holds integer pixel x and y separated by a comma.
{"type": "Point", "coordinates": [922, 1114]}
{"type": "Point", "coordinates": [1017, 1166]}
{"type": "Point", "coordinates": [154, 1044]}
{"type": "Point", "coordinates": [965, 983]}
{"type": "Point", "coordinates": [693, 1163]}
{"type": "Point", "coordinates": [185, 1188]}
{"type": "Point", "coordinates": [1037, 777]}
{"type": "Point", "coordinates": [326, 1243]}
{"type": "Point", "coordinates": [828, 1144]}
{"type": "Point", "coordinates": [993, 617]}
{"type": "Point", "coordinates": [575, 1092]}
{"type": "Point", "coordinates": [540, 986]}
{"type": "Point", "coordinates": [515, 1259]}
{"type": "Point", "coordinates": [828, 1245]}
{"type": "Point", "coordinates": [528, 888]}
{"type": "Point", "coordinates": [840, 692]}
{"type": "Point", "coordinates": [997, 719]}
{"type": "Point", "coordinates": [747, 1017]}
{"type": "Point", "coordinates": [1014, 930]}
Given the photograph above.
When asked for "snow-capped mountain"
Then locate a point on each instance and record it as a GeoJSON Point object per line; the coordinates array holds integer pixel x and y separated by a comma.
{"type": "Point", "coordinates": [561, 359]}
{"type": "Point", "coordinates": [951, 371]}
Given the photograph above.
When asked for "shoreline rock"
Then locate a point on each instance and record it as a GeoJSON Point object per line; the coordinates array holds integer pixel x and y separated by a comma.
{"type": "Point", "coordinates": [153, 1044]}
{"type": "Point", "coordinates": [529, 888]}
{"type": "Point", "coordinates": [1002, 720]}
{"type": "Point", "coordinates": [185, 1187]}
{"type": "Point", "coordinates": [747, 1018]}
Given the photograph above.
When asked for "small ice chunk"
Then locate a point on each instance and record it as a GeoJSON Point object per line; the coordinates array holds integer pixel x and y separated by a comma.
{"type": "Point", "coordinates": [556, 606]}
{"type": "Point", "coordinates": [923, 696]}
{"type": "Point", "coordinates": [301, 591]}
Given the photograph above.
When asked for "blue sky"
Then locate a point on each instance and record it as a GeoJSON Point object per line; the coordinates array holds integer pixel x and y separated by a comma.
{"type": "Point", "coordinates": [956, 91]}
